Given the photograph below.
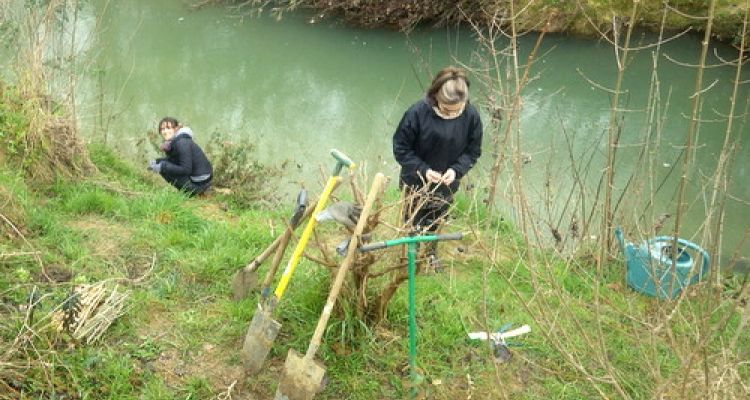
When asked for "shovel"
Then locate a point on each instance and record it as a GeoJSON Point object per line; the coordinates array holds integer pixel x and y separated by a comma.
{"type": "Point", "coordinates": [303, 376]}
{"type": "Point", "coordinates": [263, 328]}
{"type": "Point", "coordinates": [244, 280]}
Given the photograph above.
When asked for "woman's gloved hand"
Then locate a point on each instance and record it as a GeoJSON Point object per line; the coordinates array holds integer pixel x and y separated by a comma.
{"type": "Point", "coordinates": [433, 176]}
{"type": "Point", "coordinates": [449, 176]}
{"type": "Point", "coordinates": [154, 166]}
{"type": "Point", "coordinates": [436, 177]}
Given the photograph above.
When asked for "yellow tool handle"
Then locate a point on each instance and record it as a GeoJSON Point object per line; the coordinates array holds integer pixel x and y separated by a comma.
{"type": "Point", "coordinates": [297, 255]}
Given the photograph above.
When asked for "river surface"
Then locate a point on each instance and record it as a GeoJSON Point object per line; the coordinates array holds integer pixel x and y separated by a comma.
{"type": "Point", "coordinates": [298, 87]}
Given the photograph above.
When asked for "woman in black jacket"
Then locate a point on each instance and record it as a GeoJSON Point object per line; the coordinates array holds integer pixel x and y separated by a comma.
{"type": "Point", "coordinates": [185, 166]}
{"type": "Point", "coordinates": [438, 141]}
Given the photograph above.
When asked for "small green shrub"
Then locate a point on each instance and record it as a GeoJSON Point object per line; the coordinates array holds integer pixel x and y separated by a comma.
{"type": "Point", "coordinates": [236, 167]}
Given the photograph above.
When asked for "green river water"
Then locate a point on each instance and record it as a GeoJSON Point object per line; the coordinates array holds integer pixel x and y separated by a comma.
{"type": "Point", "coordinates": [297, 89]}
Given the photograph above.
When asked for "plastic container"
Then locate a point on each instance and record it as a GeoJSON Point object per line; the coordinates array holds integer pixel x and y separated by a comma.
{"type": "Point", "coordinates": [652, 269]}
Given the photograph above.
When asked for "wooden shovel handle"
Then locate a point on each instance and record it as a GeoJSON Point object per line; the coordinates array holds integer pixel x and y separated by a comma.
{"type": "Point", "coordinates": [257, 261]}
{"type": "Point", "coordinates": [375, 190]}
{"type": "Point", "coordinates": [265, 288]}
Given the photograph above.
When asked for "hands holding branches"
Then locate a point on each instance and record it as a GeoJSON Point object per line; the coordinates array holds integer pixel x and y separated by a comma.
{"type": "Point", "coordinates": [436, 177]}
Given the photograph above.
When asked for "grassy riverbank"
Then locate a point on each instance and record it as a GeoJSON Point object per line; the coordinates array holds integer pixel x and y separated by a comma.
{"type": "Point", "coordinates": [180, 333]}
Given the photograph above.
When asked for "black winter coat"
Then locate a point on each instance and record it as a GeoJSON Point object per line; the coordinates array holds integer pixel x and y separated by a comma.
{"type": "Point", "coordinates": [185, 158]}
{"type": "Point", "coordinates": [424, 140]}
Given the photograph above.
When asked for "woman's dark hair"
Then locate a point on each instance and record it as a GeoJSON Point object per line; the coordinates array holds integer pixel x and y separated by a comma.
{"type": "Point", "coordinates": [173, 122]}
{"type": "Point", "coordinates": [444, 75]}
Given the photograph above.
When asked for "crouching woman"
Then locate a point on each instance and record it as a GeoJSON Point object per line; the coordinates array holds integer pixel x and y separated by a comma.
{"type": "Point", "coordinates": [185, 166]}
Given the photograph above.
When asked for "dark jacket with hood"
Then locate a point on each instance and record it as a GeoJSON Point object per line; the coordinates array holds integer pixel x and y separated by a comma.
{"type": "Point", "coordinates": [185, 158]}
{"type": "Point", "coordinates": [425, 140]}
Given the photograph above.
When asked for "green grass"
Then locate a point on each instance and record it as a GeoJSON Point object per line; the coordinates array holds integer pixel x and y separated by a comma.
{"type": "Point", "coordinates": [181, 335]}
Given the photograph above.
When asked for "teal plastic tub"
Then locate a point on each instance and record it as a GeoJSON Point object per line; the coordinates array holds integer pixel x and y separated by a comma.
{"type": "Point", "coordinates": [654, 271]}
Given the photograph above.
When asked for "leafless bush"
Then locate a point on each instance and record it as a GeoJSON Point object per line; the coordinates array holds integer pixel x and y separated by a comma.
{"type": "Point", "coordinates": [688, 332]}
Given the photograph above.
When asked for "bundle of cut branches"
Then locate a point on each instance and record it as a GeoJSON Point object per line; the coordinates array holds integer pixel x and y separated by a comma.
{"type": "Point", "coordinates": [89, 311]}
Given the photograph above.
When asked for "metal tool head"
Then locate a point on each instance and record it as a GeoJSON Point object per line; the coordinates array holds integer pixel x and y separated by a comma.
{"type": "Point", "coordinates": [299, 209]}
{"type": "Point", "coordinates": [302, 378]}
{"type": "Point", "coordinates": [343, 212]}
{"type": "Point", "coordinates": [244, 282]}
{"type": "Point", "coordinates": [501, 351]}
{"type": "Point", "coordinates": [259, 340]}
{"type": "Point", "coordinates": [343, 245]}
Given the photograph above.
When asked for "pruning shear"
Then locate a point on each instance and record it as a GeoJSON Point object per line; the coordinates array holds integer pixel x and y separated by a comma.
{"type": "Point", "coordinates": [499, 343]}
{"type": "Point", "coordinates": [500, 346]}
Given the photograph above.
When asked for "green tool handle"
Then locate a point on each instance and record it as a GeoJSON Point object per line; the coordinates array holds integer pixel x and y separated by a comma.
{"type": "Point", "coordinates": [341, 160]}
{"type": "Point", "coordinates": [410, 239]}
{"type": "Point", "coordinates": [411, 251]}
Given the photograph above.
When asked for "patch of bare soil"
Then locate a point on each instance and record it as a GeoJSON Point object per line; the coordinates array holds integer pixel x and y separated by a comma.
{"type": "Point", "coordinates": [103, 237]}
{"type": "Point", "coordinates": [54, 273]}
{"type": "Point", "coordinates": [211, 362]}
{"type": "Point", "coordinates": [210, 209]}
